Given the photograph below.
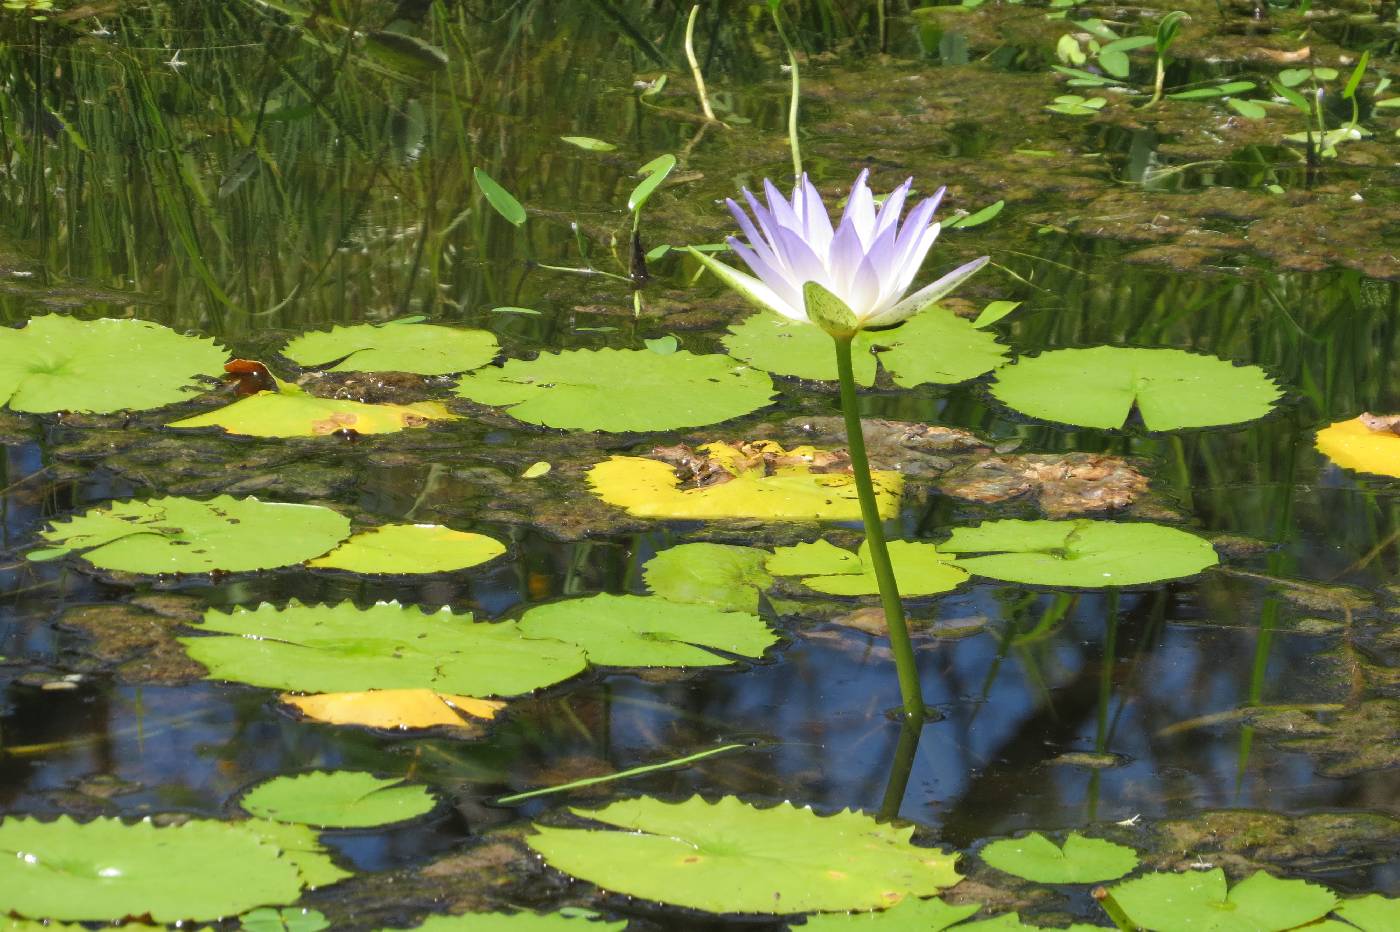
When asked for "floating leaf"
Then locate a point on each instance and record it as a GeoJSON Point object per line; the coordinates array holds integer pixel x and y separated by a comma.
{"type": "Point", "coordinates": [655, 172]}
{"type": "Point", "coordinates": [337, 799]}
{"type": "Point", "coordinates": [621, 390]}
{"type": "Point", "coordinates": [301, 845]}
{"type": "Point", "coordinates": [107, 870]}
{"type": "Point", "coordinates": [1074, 105]}
{"type": "Point", "coordinates": [820, 557]}
{"type": "Point", "coordinates": [1353, 445]}
{"type": "Point", "coordinates": [291, 412]}
{"type": "Point", "coordinates": [1083, 552]}
{"type": "Point", "coordinates": [665, 346]}
{"type": "Point", "coordinates": [411, 548]}
{"type": "Point", "coordinates": [994, 312]}
{"type": "Point", "coordinates": [908, 915]}
{"type": "Point", "coordinates": [516, 310]}
{"type": "Point", "coordinates": [1247, 108]}
{"type": "Point", "coordinates": [283, 920]}
{"type": "Point", "coordinates": [426, 349]}
{"type": "Point", "coordinates": [650, 488]}
{"type": "Point", "coordinates": [934, 346]}
{"type": "Point", "coordinates": [977, 218]}
{"type": "Point", "coordinates": [919, 569]}
{"type": "Point", "coordinates": [1218, 90]}
{"type": "Point", "coordinates": [1373, 913]}
{"type": "Point", "coordinates": [396, 709]}
{"type": "Point", "coordinates": [183, 535]}
{"type": "Point", "coordinates": [498, 197]}
{"type": "Point", "coordinates": [515, 922]}
{"type": "Point", "coordinates": [726, 577]}
{"type": "Point", "coordinates": [536, 470]}
{"type": "Point", "coordinates": [1099, 387]}
{"type": "Point", "coordinates": [1194, 901]}
{"type": "Point", "coordinates": [341, 648]}
{"type": "Point", "coordinates": [1081, 860]}
{"type": "Point", "coordinates": [589, 143]}
{"type": "Point", "coordinates": [57, 363]}
{"type": "Point", "coordinates": [645, 631]}
{"type": "Point", "coordinates": [731, 857]}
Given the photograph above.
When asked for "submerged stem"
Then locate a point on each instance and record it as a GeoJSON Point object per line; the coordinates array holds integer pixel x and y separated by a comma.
{"type": "Point", "coordinates": [900, 644]}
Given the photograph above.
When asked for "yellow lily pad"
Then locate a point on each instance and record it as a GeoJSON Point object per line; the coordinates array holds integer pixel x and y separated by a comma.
{"type": "Point", "coordinates": [411, 548]}
{"type": "Point", "coordinates": [396, 708]}
{"type": "Point", "coordinates": [293, 413]}
{"type": "Point", "coordinates": [650, 488]}
{"type": "Point", "coordinates": [1353, 445]}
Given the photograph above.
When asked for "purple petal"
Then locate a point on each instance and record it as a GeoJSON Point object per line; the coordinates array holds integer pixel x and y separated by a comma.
{"type": "Point", "coordinates": [764, 218]}
{"type": "Point", "coordinates": [770, 275]}
{"type": "Point", "coordinates": [882, 257]}
{"type": "Point", "coordinates": [912, 230]}
{"type": "Point", "coordinates": [783, 213]}
{"type": "Point", "coordinates": [759, 244]}
{"type": "Point", "coordinates": [843, 261]}
{"type": "Point", "coordinates": [802, 265]}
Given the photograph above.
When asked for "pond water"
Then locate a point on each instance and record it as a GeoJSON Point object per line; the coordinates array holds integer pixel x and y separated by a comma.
{"type": "Point", "coordinates": [251, 170]}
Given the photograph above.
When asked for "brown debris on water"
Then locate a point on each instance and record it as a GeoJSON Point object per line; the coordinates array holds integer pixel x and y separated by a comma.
{"type": "Point", "coordinates": [1060, 483]}
{"type": "Point", "coordinates": [136, 645]}
{"type": "Point", "coordinates": [368, 387]}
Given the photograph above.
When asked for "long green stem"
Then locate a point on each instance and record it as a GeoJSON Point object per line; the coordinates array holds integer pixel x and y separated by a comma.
{"type": "Point", "coordinates": [796, 97]}
{"type": "Point", "coordinates": [900, 644]}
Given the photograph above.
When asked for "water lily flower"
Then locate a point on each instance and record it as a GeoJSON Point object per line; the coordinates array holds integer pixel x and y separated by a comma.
{"type": "Point", "coordinates": [844, 278]}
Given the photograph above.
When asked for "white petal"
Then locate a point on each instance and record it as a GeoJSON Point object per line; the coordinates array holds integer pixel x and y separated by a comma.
{"type": "Point", "coordinates": [925, 296]}
{"type": "Point", "coordinates": [911, 261]}
{"type": "Point", "coordinates": [814, 217]}
{"type": "Point", "coordinates": [749, 287]}
{"type": "Point", "coordinates": [891, 208]}
{"type": "Point", "coordinates": [860, 209]}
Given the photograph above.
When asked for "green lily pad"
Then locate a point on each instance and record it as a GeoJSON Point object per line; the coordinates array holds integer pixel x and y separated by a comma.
{"type": "Point", "coordinates": [919, 568]}
{"type": "Point", "coordinates": [337, 799]}
{"type": "Point", "coordinates": [731, 857]}
{"type": "Point", "coordinates": [515, 922]}
{"type": "Point", "coordinates": [821, 557]}
{"type": "Point", "coordinates": [908, 915]}
{"type": "Point", "coordinates": [727, 577]}
{"type": "Point", "coordinates": [934, 346]}
{"type": "Point", "coordinates": [1198, 902]}
{"type": "Point", "coordinates": [291, 412]}
{"type": "Point", "coordinates": [427, 349]}
{"type": "Point", "coordinates": [1374, 913]}
{"type": "Point", "coordinates": [341, 648]}
{"type": "Point", "coordinates": [621, 390]}
{"type": "Point", "coordinates": [411, 548]}
{"type": "Point", "coordinates": [1081, 860]}
{"type": "Point", "coordinates": [107, 870]}
{"type": "Point", "coordinates": [1082, 553]}
{"type": "Point", "coordinates": [57, 363]}
{"type": "Point", "coordinates": [1100, 386]}
{"type": "Point", "coordinates": [301, 845]}
{"type": "Point", "coordinates": [646, 631]}
{"type": "Point", "coordinates": [184, 535]}
{"type": "Point", "coordinates": [283, 920]}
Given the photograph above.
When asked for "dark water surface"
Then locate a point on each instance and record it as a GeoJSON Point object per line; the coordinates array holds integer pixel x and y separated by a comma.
{"type": "Point", "coordinates": [280, 177]}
